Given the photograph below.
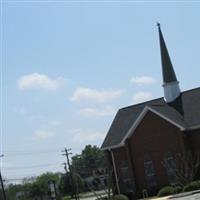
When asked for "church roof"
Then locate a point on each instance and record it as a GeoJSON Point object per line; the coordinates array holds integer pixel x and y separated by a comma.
{"type": "Point", "coordinates": [185, 112]}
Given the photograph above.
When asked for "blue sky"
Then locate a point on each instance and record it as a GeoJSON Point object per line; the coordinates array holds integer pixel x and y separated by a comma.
{"type": "Point", "coordinates": [67, 68]}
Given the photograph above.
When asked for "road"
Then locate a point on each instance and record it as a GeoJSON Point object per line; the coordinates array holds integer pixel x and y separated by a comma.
{"type": "Point", "coordinates": [190, 197]}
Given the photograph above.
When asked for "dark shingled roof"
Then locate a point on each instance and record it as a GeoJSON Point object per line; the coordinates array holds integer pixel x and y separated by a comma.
{"type": "Point", "coordinates": [184, 111]}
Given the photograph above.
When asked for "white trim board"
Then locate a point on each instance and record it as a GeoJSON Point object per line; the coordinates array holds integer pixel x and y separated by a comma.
{"type": "Point", "coordinates": [113, 146]}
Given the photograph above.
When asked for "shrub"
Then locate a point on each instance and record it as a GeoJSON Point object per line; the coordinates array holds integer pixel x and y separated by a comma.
{"type": "Point", "coordinates": [165, 191]}
{"type": "Point", "coordinates": [178, 189]}
{"type": "Point", "coordinates": [103, 198]}
{"type": "Point", "coordinates": [195, 185]}
{"type": "Point", "coordinates": [120, 197]}
{"type": "Point", "coordinates": [66, 198]}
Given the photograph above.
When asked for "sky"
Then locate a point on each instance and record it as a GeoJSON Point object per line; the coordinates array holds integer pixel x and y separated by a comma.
{"type": "Point", "coordinates": [68, 66]}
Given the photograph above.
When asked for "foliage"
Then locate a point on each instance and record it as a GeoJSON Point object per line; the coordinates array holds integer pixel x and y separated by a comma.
{"type": "Point", "coordinates": [36, 190]}
{"type": "Point", "coordinates": [83, 165]}
{"type": "Point", "coordinates": [185, 167]}
{"type": "Point", "coordinates": [66, 186]}
{"type": "Point", "coordinates": [178, 189]}
{"type": "Point", "coordinates": [90, 158]}
{"type": "Point", "coordinates": [111, 186]}
{"type": "Point", "coordinates": [66, 198]}
{"type": "Point", "coordinates": [120, 197]}
{"type": "Point", "coordinates": [165, 191]}
{"type": "Point", "coordinates": [96, 182]}
{"type": "Point", "coordinates": [168, 190]}
{"type": "Point", "coordinates": [42, 180]}
{"type": "Point", "coordinates": [34, 187]}
{"type": "Point", "coordinates": [195, 185]}
{"type": "Point", "coordinates": [40, 186]}
{"type": "Point", "coordinates": [12, 189]}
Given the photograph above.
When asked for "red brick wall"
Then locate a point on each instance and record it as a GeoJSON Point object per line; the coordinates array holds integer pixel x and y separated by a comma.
{"type": "Point", "coordinates": [153, 137]}
{"type": "Point", "coordinates": [194, 138]}
{"type": "Point", "coordinates": [120, 155]}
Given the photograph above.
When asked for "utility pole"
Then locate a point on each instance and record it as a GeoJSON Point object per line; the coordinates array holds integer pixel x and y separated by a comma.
{"type": "Point", "coordinates": [2, 187]}
{"type": "Point", "coordinates": [67, 153]}
{"type": "Point", "coordinates": [1, 182]}
{"type": "Point", "coordinates": [76, 184]}
{"type": "Point", "coordinates": [65, 167]}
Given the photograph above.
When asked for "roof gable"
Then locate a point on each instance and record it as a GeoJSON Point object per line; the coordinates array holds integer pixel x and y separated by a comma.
{"type": "Point", "coordinates": [184, 115]}
{"type": "Point", "coordinates": [122, 122]}
{"type": "Point", "coordinates": [141, 117]}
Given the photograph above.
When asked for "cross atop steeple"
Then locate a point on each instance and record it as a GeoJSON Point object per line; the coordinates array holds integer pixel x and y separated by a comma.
{"type": "Point", "coordinates": [170, 83]}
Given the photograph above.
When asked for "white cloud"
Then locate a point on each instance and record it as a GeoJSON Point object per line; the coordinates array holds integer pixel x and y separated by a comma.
{"type": "Point", "coordinates": [97, 112]}
{"type": "Point", "coordinates": [42, 134]}
{"type": "Point", "coordinates": [142, 96]}
{"type": "Point", "coordinates": [143, 80]}
{"type": "Point", "coordinates": [39, 81]}
{"type": "Point", "coordinates": [86, 136]}
{"type": "Point", "coordinates": [85, 94]}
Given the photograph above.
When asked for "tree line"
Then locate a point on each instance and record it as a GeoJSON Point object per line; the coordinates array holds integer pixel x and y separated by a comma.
{"type": "Point", "coordinates": [88, 164]}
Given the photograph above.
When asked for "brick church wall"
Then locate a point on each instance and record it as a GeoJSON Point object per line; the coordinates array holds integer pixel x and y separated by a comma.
{"type": "Point", "coordinates": [153, 138]}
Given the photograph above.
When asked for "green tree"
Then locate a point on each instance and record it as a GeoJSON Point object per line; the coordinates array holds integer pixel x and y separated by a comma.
{"type": "Point", "coordinates": [36, 190]}
{"type": "Point", "coordinates": [40, 186]}
{"type": "Point", "coordinates": [13, 189]}
{"type": "Point", "coordinates": [90, 159]}
{"type": "Point", "coordinates": [68, 187]}
{"type": "Point", "coordinates": [33, 187]}
{"type": "Point", "coordinates": [43, 180]}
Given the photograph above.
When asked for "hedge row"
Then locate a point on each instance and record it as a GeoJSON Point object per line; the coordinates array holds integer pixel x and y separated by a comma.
{"type": "Point", "coordinates": [169, 190]}
{"type": "Point", "coordinates": [195, 185]}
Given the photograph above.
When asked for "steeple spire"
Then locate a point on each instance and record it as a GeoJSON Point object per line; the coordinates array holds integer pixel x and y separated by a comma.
{"type": "Point", "coordinates": [170, 83]}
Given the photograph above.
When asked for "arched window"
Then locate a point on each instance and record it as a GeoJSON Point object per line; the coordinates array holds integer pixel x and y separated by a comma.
{"type": "Point", "coordinates": [149, 172]}
{"type": "Point", "coordinates": [170, 167]}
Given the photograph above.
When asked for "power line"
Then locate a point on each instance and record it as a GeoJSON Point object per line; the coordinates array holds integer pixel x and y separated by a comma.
{"type": "Point", "coordinates": [29, 167]}
{"type": "Point", "coordinates": [25, 176]}
{"type": "Point", "coordinates": [28, 178]}
{"type": "Point", "coordinates": [36, 151]}
{"type": "Point", "coordinates": [30, 153]}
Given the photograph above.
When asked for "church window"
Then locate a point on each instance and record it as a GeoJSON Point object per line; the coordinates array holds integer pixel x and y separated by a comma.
{"type": "Point", "coordinates": [150, 173]}
{"type": "Point", "coordinates": [126, 177]}
{"type": "Point", "coordinates": [169, 164]}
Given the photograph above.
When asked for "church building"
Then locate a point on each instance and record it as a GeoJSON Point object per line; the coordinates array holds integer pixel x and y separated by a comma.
{"type": "Point", "coordinates": [144, 139]}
